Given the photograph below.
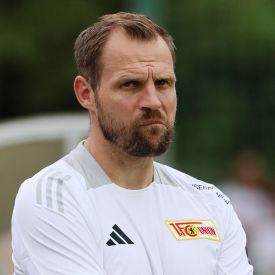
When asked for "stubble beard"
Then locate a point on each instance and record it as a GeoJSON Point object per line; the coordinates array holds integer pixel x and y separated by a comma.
{"type": "Point", "coordinates": [133, 140]}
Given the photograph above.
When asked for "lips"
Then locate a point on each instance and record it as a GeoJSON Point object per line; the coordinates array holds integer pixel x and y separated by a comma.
{"type": "Point", "coordinates": [152, 122]}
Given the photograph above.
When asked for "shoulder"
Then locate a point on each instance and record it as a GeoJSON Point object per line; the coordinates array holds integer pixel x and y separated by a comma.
{"type": "Point", "coordinates": [55, 195]}
{"type": "Point", "coordinates": [53, 216]}
{"type": "Point", "coordinates": [204, 191]}
{"type": "Point", "coordinates": [51, 188]}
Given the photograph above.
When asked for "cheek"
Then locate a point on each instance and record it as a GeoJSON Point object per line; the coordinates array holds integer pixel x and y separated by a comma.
{"type": "Point", "coordinates": [121, 111]}
{"type": "Point", "coordinates": [171, 108]}
{"type": "Point", "coordinates": [170, 103]}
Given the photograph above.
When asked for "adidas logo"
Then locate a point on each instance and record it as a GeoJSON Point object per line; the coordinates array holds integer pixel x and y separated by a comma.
{"type": "Point", "coordinates": [118, 237]}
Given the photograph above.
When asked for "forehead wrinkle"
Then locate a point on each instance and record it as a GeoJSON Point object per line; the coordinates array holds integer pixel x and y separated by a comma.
{"type": "Point", "coordinates": [156, 74]}
{"type": "Point", "coordinates": [130, 65]}
{"type": "Point", "coordinates": [147, 73]}
{"type": "Point", "coordinates": [139, 69]}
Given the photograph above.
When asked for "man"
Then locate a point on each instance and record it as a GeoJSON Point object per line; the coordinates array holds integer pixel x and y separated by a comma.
{"type": "Point", "coordinates": [107, 207]}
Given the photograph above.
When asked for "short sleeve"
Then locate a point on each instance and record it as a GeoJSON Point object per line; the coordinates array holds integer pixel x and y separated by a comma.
{"type": "Point", "coordinates": [48, 242]}
{"type": "Point", "coordinates": [233, 258]}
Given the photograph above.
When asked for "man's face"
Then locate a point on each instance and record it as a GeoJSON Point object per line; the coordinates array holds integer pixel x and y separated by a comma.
{"type": "Point", "coordinates": [136, 100]}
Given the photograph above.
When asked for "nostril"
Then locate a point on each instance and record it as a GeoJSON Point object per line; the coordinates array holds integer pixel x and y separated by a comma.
{"type": "Point", "coordinates": [151, 102]}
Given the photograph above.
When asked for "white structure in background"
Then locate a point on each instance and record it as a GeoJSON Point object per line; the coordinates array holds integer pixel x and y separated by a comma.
{"type": "Point", "coordinates": [70, 128]}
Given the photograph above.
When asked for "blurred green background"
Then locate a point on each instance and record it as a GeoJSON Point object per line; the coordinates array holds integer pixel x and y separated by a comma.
{"type": "Point", "coordinates": [225, 70]}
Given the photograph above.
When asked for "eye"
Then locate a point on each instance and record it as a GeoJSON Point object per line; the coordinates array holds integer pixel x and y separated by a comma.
{"type": "Point", "coordinates": [162, 83]}
{"type": "Point", "coordinates": [130, 84]}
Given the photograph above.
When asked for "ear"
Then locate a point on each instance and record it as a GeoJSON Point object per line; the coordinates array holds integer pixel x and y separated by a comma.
{"type": "Point", "coordinates": [84, 93]}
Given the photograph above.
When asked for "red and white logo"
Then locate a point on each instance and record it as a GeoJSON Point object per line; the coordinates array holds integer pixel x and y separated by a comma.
{"type": "Point", "coordinates": [193, 229]}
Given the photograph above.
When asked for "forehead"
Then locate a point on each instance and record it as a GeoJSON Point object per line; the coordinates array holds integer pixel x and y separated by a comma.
{"type": "Point", "coordinates": [124, 53]}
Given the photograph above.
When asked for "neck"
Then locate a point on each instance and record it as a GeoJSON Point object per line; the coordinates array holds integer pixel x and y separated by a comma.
{"type": "Point", "coordinates": [124, 170]}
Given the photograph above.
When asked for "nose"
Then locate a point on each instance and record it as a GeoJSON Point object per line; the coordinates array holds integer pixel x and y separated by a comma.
{"type": "Point", "coordinates": [150, 97]}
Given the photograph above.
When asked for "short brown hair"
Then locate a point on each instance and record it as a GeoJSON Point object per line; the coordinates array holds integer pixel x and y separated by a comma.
{"type": "Point", "coordinates": [89, 44]}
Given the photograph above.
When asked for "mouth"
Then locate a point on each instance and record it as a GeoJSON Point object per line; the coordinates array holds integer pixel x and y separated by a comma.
{"type": "Point", "coordinates": [152, 122]}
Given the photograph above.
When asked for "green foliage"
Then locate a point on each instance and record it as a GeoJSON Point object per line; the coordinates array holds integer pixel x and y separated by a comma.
{"type": "Point", "coordinates": [36, 53]}
{"type": "Point", "coordinates": [226, 69]}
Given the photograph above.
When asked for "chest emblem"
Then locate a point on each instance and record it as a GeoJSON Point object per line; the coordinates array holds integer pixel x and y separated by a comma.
{"type": "Point", "coordinates": [193, 229]}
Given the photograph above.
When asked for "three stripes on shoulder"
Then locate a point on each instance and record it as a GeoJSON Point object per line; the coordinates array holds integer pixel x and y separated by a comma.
{"type": "Point", "coordinates": [49, 190]}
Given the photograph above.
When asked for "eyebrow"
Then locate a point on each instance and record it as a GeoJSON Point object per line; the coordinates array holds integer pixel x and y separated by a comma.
{"type": "Point", "coordinates": [130, 75]}
{"type": "Point", "coordinates": [157, 75]}
{"type": "Point", "coordinates": [140, 77]}
{"type": "Point", "coordinates": [169, 76]}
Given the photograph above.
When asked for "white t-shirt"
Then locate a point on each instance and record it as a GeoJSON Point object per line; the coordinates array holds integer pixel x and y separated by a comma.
{"type": "Point", "coordinates": [71, 219]}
